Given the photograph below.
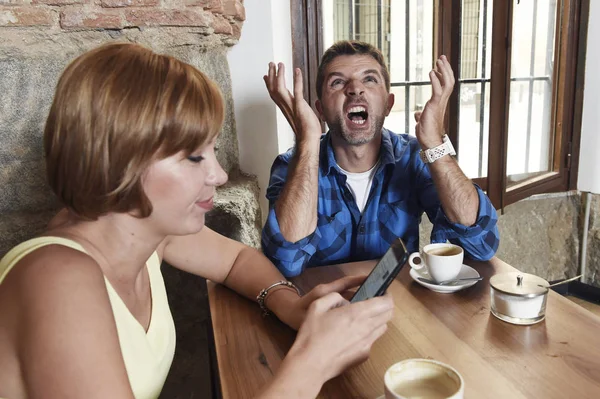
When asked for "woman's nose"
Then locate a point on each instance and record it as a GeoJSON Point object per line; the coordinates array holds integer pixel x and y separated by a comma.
{"type": "Point", "coordinates": [217, 176]}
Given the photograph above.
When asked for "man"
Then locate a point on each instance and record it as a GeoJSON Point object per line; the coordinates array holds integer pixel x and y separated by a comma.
{"type": "Point", "coordinates": [346, 195]}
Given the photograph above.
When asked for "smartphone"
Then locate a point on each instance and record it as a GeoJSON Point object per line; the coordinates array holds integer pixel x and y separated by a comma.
{"type": "Point", "coordinates": [383, 273]}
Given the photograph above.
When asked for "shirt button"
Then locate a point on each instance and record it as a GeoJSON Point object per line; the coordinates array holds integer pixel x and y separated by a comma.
{"type": "Point", "coordinates": [361, 229]}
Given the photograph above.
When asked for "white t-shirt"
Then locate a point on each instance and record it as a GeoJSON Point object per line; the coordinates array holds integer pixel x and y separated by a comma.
{"type": "Point", "coordinates": [359, 185]}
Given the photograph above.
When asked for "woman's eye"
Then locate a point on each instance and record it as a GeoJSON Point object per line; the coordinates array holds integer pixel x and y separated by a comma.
{"type": "Point", "coordinates": [195, 159]}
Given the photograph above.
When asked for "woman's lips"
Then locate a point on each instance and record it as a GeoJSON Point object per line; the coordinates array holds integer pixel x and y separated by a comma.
{"type": "Point", "coordinates": [208, 204]}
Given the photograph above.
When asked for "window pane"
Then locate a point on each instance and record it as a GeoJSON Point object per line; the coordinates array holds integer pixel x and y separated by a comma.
{"type": "Point", "coordinates": [337, 21]}
{"type": "Point", "coordinates": [364, 20]}
{"type": "Point", "coordinates": [476, 39]}
{"type": "Point", "coordinates": [401, 29]}
{"type": "Point", "coordinates": [474, 128]}
{"type": "Point", "coordinates": [398, 67]}
{"type": "Point", "coordinates": [474, 86]}
{"type": "Point", "coordinates": [401, 119]}
{"type": "Point", "coordinates": [530, 134]}
{"type": "Point", "coordinates": [396, 120]}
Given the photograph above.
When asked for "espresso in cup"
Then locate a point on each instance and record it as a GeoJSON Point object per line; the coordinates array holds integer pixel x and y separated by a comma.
{"type": "Point", "coordinates": [442, 261]}
{"type": "Point", "coordinates": [423, 379]}
{"type": "Point", "coordinates": [445, 251]}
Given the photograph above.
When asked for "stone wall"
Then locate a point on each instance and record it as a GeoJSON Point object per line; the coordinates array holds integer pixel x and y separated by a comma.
{"type": "Point", "coordinates": [542, 235]}
{"type": "Point", "coordinates": [38, 38]}
{"type": "Point", "coordinates": [593, 242]}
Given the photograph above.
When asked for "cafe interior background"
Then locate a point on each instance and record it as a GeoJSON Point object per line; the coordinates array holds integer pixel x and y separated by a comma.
{"type": "Point", "coordinates": [552, 113]}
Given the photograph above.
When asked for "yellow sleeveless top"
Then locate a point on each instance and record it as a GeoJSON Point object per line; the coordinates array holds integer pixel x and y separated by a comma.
{"type": "Point", "coordinates": [147, 355]}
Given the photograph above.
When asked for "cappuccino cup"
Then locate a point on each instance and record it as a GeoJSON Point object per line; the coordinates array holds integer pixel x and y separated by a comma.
{"type": "Point", "coordinates": [442, 261]}
{"type": "Point", "coordinates": [423, 379]}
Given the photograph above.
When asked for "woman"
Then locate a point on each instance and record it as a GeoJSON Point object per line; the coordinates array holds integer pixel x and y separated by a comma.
{"type": "Point", "coordinates": [129, 145]}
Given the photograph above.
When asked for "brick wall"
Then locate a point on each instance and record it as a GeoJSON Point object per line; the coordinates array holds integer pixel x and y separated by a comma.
{"type": "Point", "coordinates": [222, 17]}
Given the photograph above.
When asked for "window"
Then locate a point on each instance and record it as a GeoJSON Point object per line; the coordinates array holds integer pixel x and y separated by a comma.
{"type": "Point", "coordinates": [515, 112]}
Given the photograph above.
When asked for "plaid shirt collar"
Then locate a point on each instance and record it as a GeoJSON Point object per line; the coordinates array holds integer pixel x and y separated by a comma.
{"type": "Point", "coordinates": [386, 152]}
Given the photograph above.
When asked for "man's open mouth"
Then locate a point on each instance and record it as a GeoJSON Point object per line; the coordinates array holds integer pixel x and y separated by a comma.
{"type": "Point", "coordinates": [358, 114]}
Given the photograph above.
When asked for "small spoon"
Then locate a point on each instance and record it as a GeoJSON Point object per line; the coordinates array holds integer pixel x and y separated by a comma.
{"type": "Point", "coordinates": [449, 282]}
{"type": "Point", "coordinates": [561, 282]}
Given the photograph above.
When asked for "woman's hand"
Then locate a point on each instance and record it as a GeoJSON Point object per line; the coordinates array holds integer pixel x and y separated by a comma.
{"type": "Point", "coordinates": [297, 111]}
{"type": "Point", "coordinates": [337, 334]}
{"type": "Point", "coordinates": [334, 336]}
{"type": "Point", "coordinates": [295, 315]}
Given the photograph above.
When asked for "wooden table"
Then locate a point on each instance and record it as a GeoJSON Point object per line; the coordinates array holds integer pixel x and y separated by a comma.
{"type": "Point", "coordinates": [557, 358]}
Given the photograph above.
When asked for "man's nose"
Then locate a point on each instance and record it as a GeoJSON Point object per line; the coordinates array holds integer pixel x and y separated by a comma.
{"type": "Point", "coordinates": [355, 88]}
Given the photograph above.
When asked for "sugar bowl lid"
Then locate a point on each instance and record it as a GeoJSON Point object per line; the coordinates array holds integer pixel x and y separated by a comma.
{"type": "Point", "coordinates": [519, 284]}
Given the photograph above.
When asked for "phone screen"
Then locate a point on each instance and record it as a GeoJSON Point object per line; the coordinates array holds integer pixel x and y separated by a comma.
{"type": "Point", "coordinates": [383, 273]}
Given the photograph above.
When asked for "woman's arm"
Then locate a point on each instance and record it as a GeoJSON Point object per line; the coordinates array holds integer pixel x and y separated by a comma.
{"type": "Point", "coordinates": [246, 271]}
{"type": "Point", "coordinates": [239, 267]}
{"type": "Point", "coordinates": [66, 335]}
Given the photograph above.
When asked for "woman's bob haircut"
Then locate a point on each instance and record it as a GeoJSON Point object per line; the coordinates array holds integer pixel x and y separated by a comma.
{"type": "Point", "coordinates": [116, 109]}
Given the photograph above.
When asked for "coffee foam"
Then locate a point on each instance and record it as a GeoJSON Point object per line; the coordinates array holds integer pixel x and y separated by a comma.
{"type": "Point", "coordinates": [414, 380]}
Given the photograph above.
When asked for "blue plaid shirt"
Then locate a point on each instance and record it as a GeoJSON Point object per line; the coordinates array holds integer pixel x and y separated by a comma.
{"type": "Point", "coordinates": [402, 190]}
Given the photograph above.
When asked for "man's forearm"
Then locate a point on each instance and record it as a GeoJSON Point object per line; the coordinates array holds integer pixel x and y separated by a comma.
{"type": "Point", "coordinates": [457, 194]}
{"type": "Point", "coordinates": [296, 207]}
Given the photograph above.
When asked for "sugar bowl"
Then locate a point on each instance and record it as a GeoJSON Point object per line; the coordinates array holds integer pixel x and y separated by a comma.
{"type": "Point", "coordinates": [518, 298]}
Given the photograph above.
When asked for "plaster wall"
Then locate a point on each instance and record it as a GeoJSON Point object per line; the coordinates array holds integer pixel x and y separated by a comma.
{"type": "Point", "coordinates": [263, 132]}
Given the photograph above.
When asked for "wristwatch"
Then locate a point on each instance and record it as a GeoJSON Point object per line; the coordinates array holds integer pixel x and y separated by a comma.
{"type": "Point", "coordinates": [431, 155]}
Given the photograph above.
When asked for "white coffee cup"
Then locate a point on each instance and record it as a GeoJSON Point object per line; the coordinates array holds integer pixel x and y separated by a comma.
{"type": "Point", "coordinates": [423, 379]}
{"type": "Point", "coordinates": [442, 261]}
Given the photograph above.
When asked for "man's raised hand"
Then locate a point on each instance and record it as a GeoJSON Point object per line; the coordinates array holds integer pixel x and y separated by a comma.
{"type": "Point", "coordinates": [296, 110]}
{"type": "Point", "coordinates": [430, 122]}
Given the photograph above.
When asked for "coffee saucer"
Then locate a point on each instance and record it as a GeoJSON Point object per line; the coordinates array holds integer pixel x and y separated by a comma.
{"type": "Point", "coordinates": [465, 272]}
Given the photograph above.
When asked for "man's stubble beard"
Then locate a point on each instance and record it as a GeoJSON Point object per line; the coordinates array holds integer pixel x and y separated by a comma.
{"type": "Point", "coordinates": [339, 128]}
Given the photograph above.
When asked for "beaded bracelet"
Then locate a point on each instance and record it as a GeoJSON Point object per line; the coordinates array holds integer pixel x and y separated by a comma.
{"type": "Point", "coordinates": [260, 298]}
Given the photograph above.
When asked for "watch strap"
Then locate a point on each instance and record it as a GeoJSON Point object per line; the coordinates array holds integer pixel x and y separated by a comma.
{"type": "Point", "coordinates": [431, 155]}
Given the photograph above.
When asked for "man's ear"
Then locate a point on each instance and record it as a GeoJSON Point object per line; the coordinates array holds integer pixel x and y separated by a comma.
{"type": "Point", "coordinates": [390, 103]}
{"type": "Point", "coordinates": [319, 107]}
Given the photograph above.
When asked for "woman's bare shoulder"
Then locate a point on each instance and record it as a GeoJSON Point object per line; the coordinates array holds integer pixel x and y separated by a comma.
{"type": "Point", "coordinates": [65, 318]}
{"type": "Point", "coordinates": [58, 282]}
{"type": "Point", "coordinates": [52, 266]}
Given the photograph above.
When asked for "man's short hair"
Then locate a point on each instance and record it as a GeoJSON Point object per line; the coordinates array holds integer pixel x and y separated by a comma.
{"type": "Point", "coordinates": [118, 108]}
{"type": "Point", "coordinates": [350, 47]}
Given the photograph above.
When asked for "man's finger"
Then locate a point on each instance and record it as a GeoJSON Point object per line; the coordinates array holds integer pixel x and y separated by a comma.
{"type": "Point", "coordinates": [440, 71]}
{"type": "Point", "coordinates": [448, 71]}
{"type": "Point", "coordinates": [281, 77]}
{"type": "Point", "coordinates": [417, 116]}
{"type": "Point", "coordinates": [271, 79]}
{"type": "Point", "coordinates": [435, 84]}
{"type": "Point", "coordinates": [298, 85]}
